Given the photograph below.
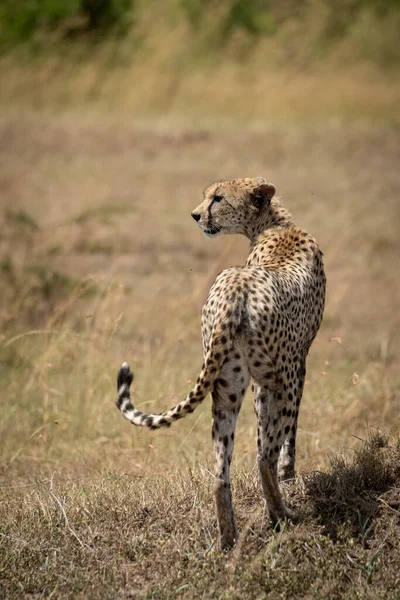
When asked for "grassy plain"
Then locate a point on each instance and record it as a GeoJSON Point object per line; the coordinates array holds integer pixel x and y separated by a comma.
{"type": "Point", "coordinates": [100, 263]}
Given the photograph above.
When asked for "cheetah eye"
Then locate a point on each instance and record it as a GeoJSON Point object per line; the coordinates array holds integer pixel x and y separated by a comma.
{"type": "Point", "coordinates": [217, 198]}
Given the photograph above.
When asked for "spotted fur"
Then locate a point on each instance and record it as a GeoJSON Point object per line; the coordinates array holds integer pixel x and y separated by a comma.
{"type": "Point", "coordinates": [258, 323]}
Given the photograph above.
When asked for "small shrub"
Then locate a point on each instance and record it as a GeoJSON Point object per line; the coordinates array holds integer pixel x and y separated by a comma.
{"type": "Point", "coordinates": [21, 21]}
{"type": "Point", "coordinates": [349, 492]}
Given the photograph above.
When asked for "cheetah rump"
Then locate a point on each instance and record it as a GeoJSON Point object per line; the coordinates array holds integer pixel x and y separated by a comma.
{"type": "Point", "coordinates": [258, 322]}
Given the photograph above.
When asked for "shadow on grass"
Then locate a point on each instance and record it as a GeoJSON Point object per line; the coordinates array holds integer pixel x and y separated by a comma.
{"type": "Point", "coordinates": [353, 491]}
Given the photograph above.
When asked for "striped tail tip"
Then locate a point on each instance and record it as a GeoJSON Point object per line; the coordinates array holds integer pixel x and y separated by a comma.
{"type": "Point", "coordinates": [124, 381]}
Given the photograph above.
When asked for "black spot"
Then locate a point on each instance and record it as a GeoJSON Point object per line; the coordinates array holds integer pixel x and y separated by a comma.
{"type": "Point", "coordinates": [232, 397]}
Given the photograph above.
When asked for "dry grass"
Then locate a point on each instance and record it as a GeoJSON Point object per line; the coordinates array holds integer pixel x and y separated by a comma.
{"type": "Point", "coordinates": [165, 65]}
{"type": "Point", "coordinates": [100, 263]}
{"type": "Point", "coordinates": [115, 536]}
{"type": "Point", "coordinates": [148, 88]}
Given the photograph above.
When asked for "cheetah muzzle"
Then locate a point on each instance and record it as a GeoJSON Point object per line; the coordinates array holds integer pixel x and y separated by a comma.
{"type": "Point", "coordinates": [258, 323]}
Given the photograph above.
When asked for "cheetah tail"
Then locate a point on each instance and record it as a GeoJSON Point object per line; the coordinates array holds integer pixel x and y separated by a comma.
{"type": "Point", "coordinates": [210, 370]}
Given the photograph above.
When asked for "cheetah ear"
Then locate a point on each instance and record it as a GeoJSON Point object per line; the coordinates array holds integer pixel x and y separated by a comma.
{"type": "Point", "coordinates": [263, 194]}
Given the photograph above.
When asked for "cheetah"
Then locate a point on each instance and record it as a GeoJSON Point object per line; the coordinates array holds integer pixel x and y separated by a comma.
{"type": "Point", "coordinates": [258, 323]}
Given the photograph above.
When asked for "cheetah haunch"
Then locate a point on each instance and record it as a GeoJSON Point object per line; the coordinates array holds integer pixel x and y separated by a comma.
{"type": "Point", "coordinates": [258, 322]}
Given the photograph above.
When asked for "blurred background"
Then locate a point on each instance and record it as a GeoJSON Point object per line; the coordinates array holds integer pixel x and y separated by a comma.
{"type": "Point", "coordinates": [115, 115]}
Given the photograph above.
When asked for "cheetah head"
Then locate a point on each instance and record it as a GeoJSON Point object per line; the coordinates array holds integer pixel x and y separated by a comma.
{"type": "Point", "coordinates": [233, 206]}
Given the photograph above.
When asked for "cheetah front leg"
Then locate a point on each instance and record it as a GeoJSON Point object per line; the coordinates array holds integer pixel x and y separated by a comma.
{"type": "Point", "coordinates": [227, 396]}
{"type": "Point", "coordinates": [287, 457]}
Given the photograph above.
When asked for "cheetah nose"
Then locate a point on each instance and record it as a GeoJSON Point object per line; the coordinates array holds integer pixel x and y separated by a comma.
{"type": "Point", "coordinates": [196, 216]}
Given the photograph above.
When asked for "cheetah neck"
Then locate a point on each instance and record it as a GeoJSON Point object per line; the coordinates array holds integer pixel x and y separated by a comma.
{"type": "Point", "coordinates": [277, 216]}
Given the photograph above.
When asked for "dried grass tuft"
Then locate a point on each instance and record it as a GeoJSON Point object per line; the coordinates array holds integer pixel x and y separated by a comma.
{"type": "Point", "coordinates": [351, 491]}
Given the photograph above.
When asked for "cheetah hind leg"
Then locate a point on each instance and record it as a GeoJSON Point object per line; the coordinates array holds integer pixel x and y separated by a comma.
{"type": "Point", "coordinates": [227, 396]}
{"type": "Point", "coordinates": [278, 511]}
{"type": "Point", "coordinates": [267, 409]}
